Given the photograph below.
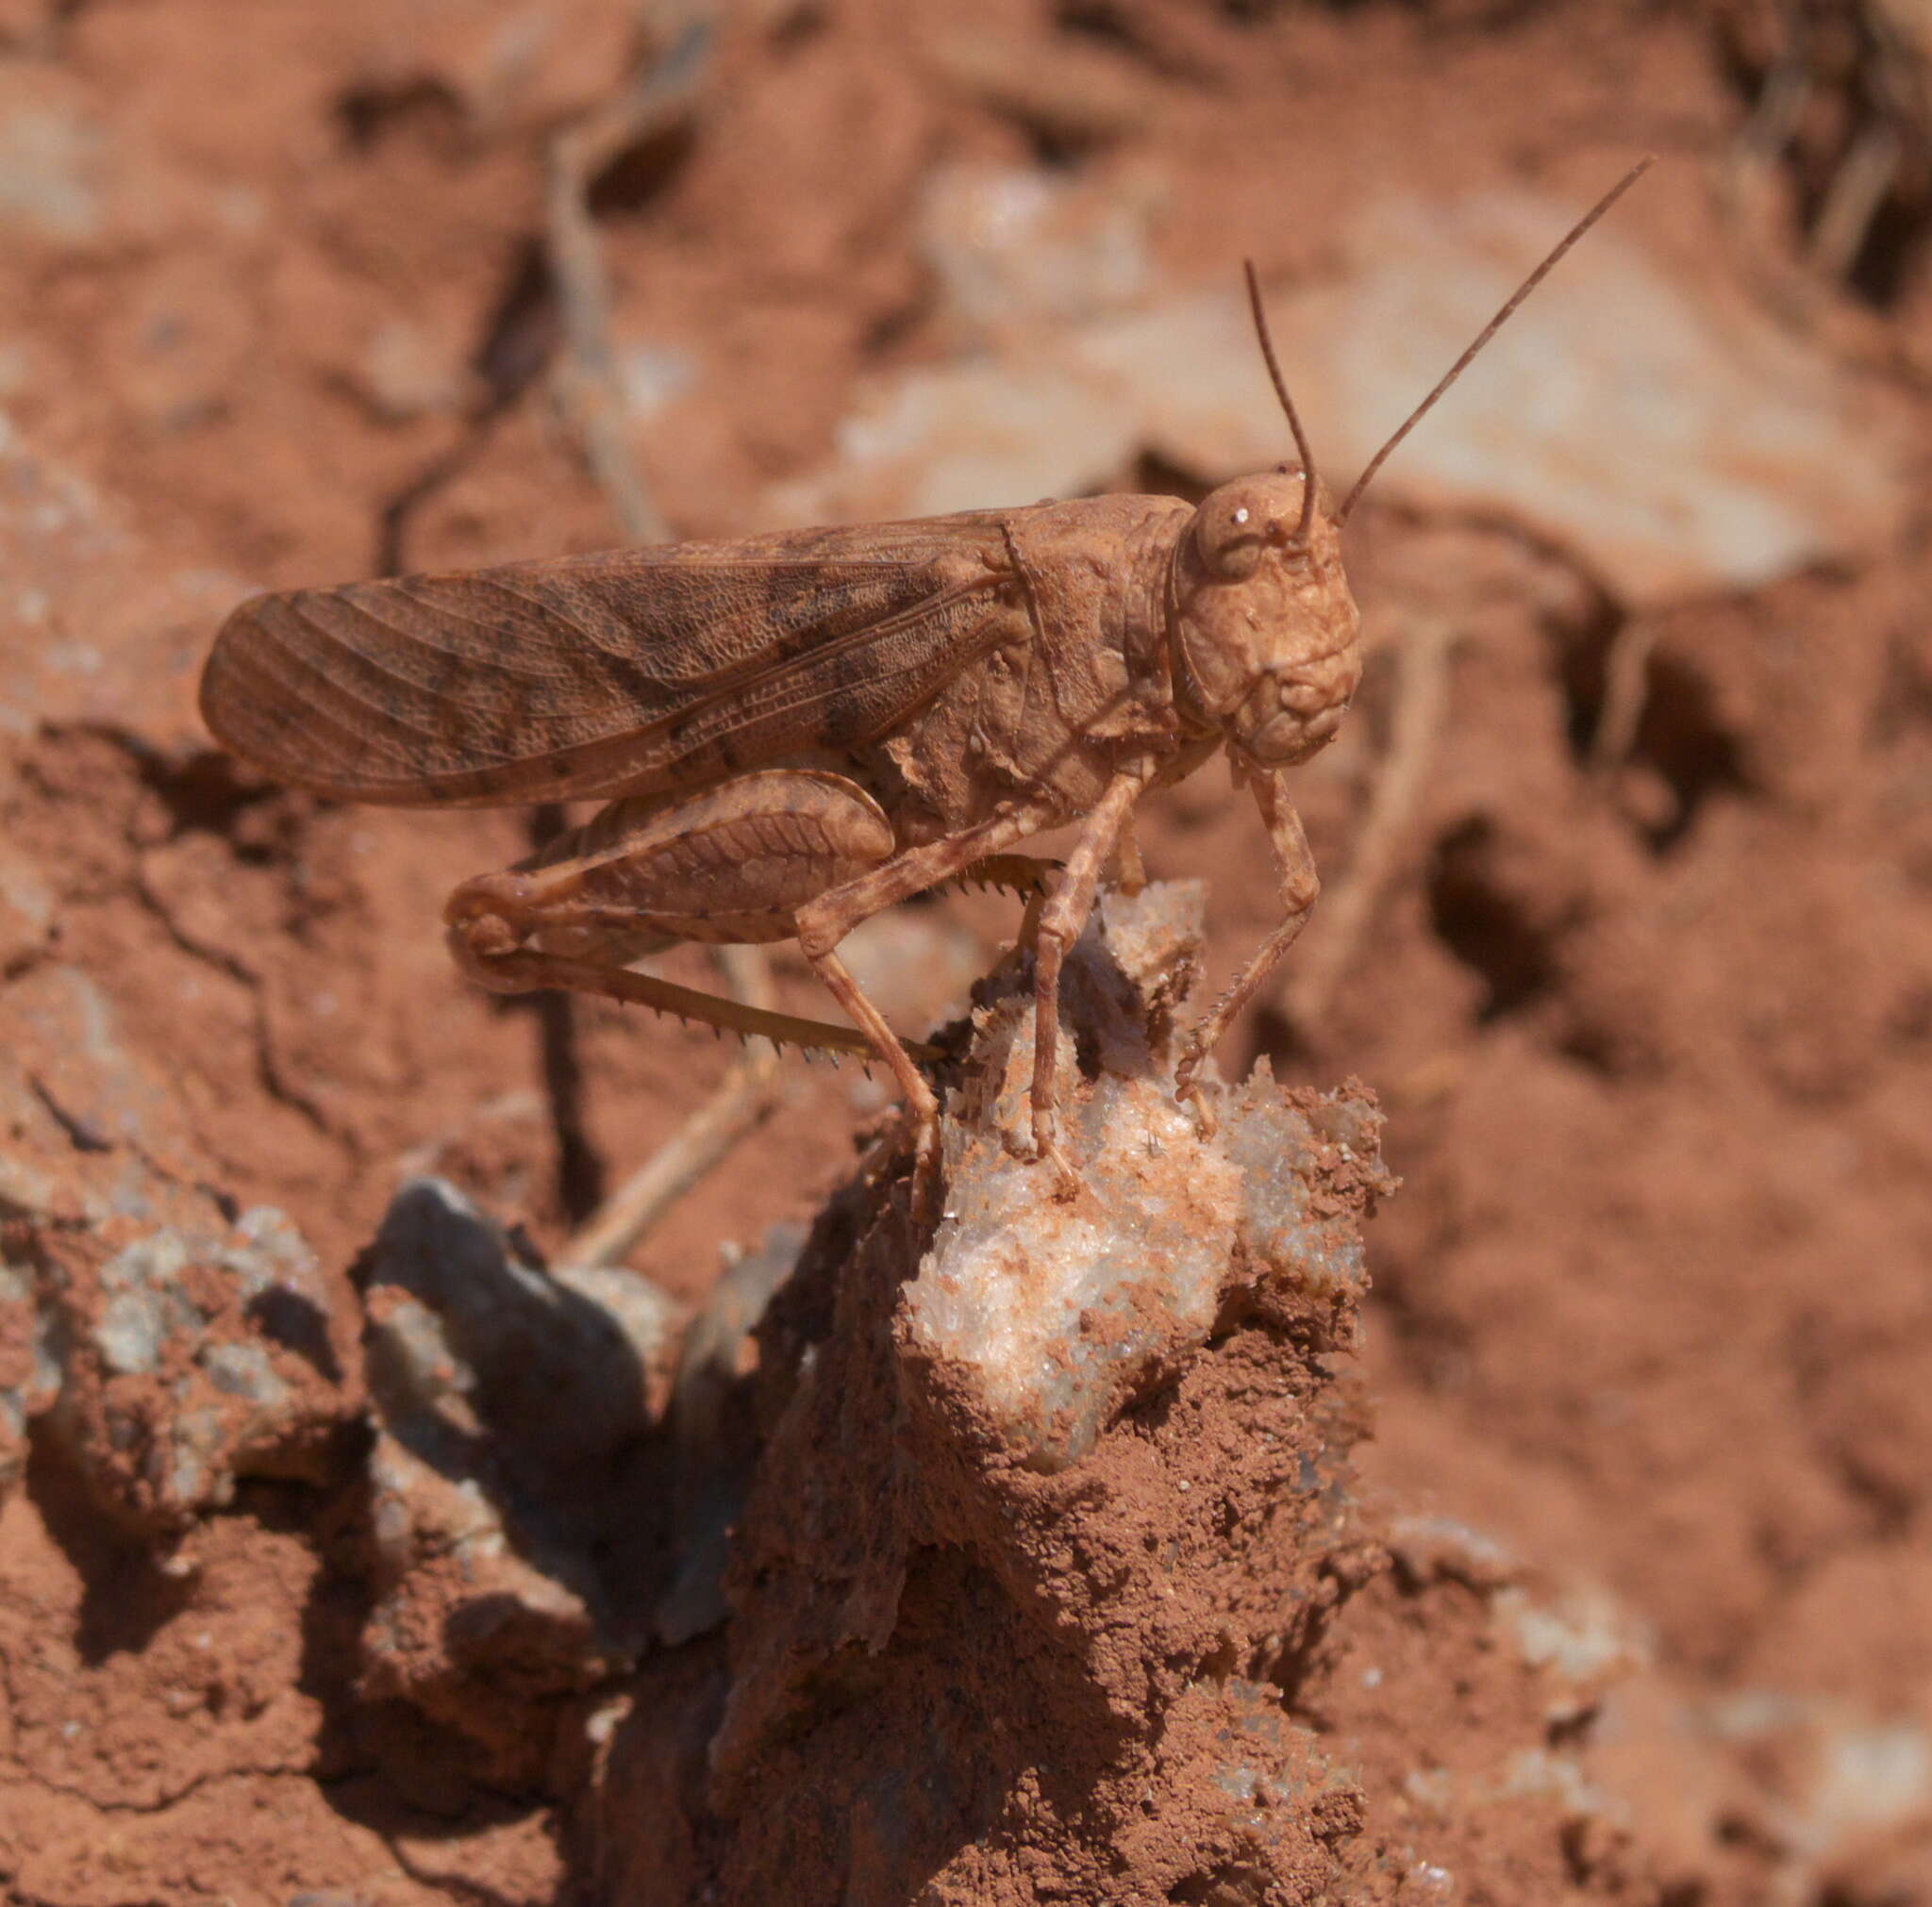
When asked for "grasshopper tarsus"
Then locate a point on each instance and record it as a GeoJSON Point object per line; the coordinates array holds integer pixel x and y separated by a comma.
{"type": "Point", "coordinates": [1192, 1094]}
{"type": "Point", "coordinates": [1067, 1182]}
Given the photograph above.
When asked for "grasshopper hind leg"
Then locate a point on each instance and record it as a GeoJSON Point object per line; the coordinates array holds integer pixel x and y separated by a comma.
{"type": "Point", "coordinates": [729, 865]}
{"type": "Point", "coordinates": [732, 865]}
{"type": "Point", "coordinates": [779, 854]}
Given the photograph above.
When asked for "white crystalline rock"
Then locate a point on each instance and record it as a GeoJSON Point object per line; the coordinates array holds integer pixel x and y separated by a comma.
{"type": "Point", "coordinates": [143, 1303]}
{"type": "Point", "coordinates": [1270, 1144]}
{"type": "Point", "coordinates": [1054, 1313]}
{"type": "Point", "coordinates": [1060, 1308]}
{"type": "Point", "coordinates": [243, 1370]}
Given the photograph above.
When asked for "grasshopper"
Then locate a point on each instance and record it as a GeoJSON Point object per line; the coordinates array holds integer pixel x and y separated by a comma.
{"type": "Point", "coordinates": [796, 731]}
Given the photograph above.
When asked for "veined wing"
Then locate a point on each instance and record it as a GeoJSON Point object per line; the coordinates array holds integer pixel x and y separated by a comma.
{"type": "Point", "coordinates": [631, 672]}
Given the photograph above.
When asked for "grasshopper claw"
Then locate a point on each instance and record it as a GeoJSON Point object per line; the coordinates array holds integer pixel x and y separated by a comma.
{"type": "Point", "coordinates": [1190, 1092]}
{"type": "Point", "coordinates": [1066, 1174]}
{"type": "Point", "coordinates": [1048, 1149]}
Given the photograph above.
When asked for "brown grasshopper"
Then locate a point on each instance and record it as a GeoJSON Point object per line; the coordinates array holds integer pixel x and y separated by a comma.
{"type": "Point", "coordinates": [799, 730]}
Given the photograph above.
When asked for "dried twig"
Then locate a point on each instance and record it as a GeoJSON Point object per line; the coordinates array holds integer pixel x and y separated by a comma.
{"type": "Point", "coordinates": [1626, 689]}
{"type": "Point", "coordinates": [738, 1106]}
{"type": "Point", "coordinates": [1778, 112]}
{"type": "Point", "coordinates": [591, 395]}
{"type": "Point", "coordinates": [590, 390]}
{"type": "Point", "coordinates": [1858, 188]}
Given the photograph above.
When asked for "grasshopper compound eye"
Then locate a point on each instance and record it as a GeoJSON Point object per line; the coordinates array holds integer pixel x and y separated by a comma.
{"type": "Point", "coordinates": [1234, 529]}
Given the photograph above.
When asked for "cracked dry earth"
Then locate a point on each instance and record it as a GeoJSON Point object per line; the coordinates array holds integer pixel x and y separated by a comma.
{"type": "Point", "coordinates": [355, 1547]}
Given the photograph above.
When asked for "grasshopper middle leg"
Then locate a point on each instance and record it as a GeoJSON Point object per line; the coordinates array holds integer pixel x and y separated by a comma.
{"type": "Point", "coordinates": [1060, 923]}
{"type": "Point", "coordinates": [825, 921]}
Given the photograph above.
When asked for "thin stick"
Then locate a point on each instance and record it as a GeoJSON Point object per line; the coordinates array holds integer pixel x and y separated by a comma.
{"type": "Point", "coordinates": [1627, 687]}
{"type": "Point", "coordinates": [1857, 189]}
{"type": "Point", "coordinates": [589, 385]}
{"type": "Point", "coordinates": [1495, 324]}
{"type": "Point", "coordinates": [592, 401]}
{"type": "Point", "coordinates": [1294, 421]}
{"type": "Point", "coordinates": [739, 1104]}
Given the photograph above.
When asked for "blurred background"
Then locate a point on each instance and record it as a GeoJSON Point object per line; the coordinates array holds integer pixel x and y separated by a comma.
{"type": "Point", "coordinates": [1627, 843]}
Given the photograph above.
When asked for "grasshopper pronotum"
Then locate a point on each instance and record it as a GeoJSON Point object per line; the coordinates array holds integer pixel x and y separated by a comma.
{"type": "Point", "coordinates": [799, 730]}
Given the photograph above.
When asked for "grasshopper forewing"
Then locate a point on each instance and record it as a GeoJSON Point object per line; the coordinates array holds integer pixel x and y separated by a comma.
{"type": "Point", "coordinates": [798, 730]}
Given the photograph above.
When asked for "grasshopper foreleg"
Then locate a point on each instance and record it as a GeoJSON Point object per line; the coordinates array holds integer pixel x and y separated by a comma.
{"type": "Point", "coordinates": [1299, 888]}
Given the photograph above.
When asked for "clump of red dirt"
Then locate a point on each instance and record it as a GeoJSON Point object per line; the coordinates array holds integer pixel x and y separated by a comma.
{"type": "Point", "coordinates": [351, 1548]}
{"type": "Point", "coordinates": [1052, 1574]}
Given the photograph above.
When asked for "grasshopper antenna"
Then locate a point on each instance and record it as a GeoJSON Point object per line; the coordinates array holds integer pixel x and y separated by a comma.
{"type": "Point", "coordinates": [1294, 422]}
{"type": "Point", "coordinates": [1483, 336]}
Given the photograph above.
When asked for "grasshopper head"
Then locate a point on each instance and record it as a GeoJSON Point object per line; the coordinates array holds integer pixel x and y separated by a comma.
{"type": "Point", "coordinates": [1265, 631]}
